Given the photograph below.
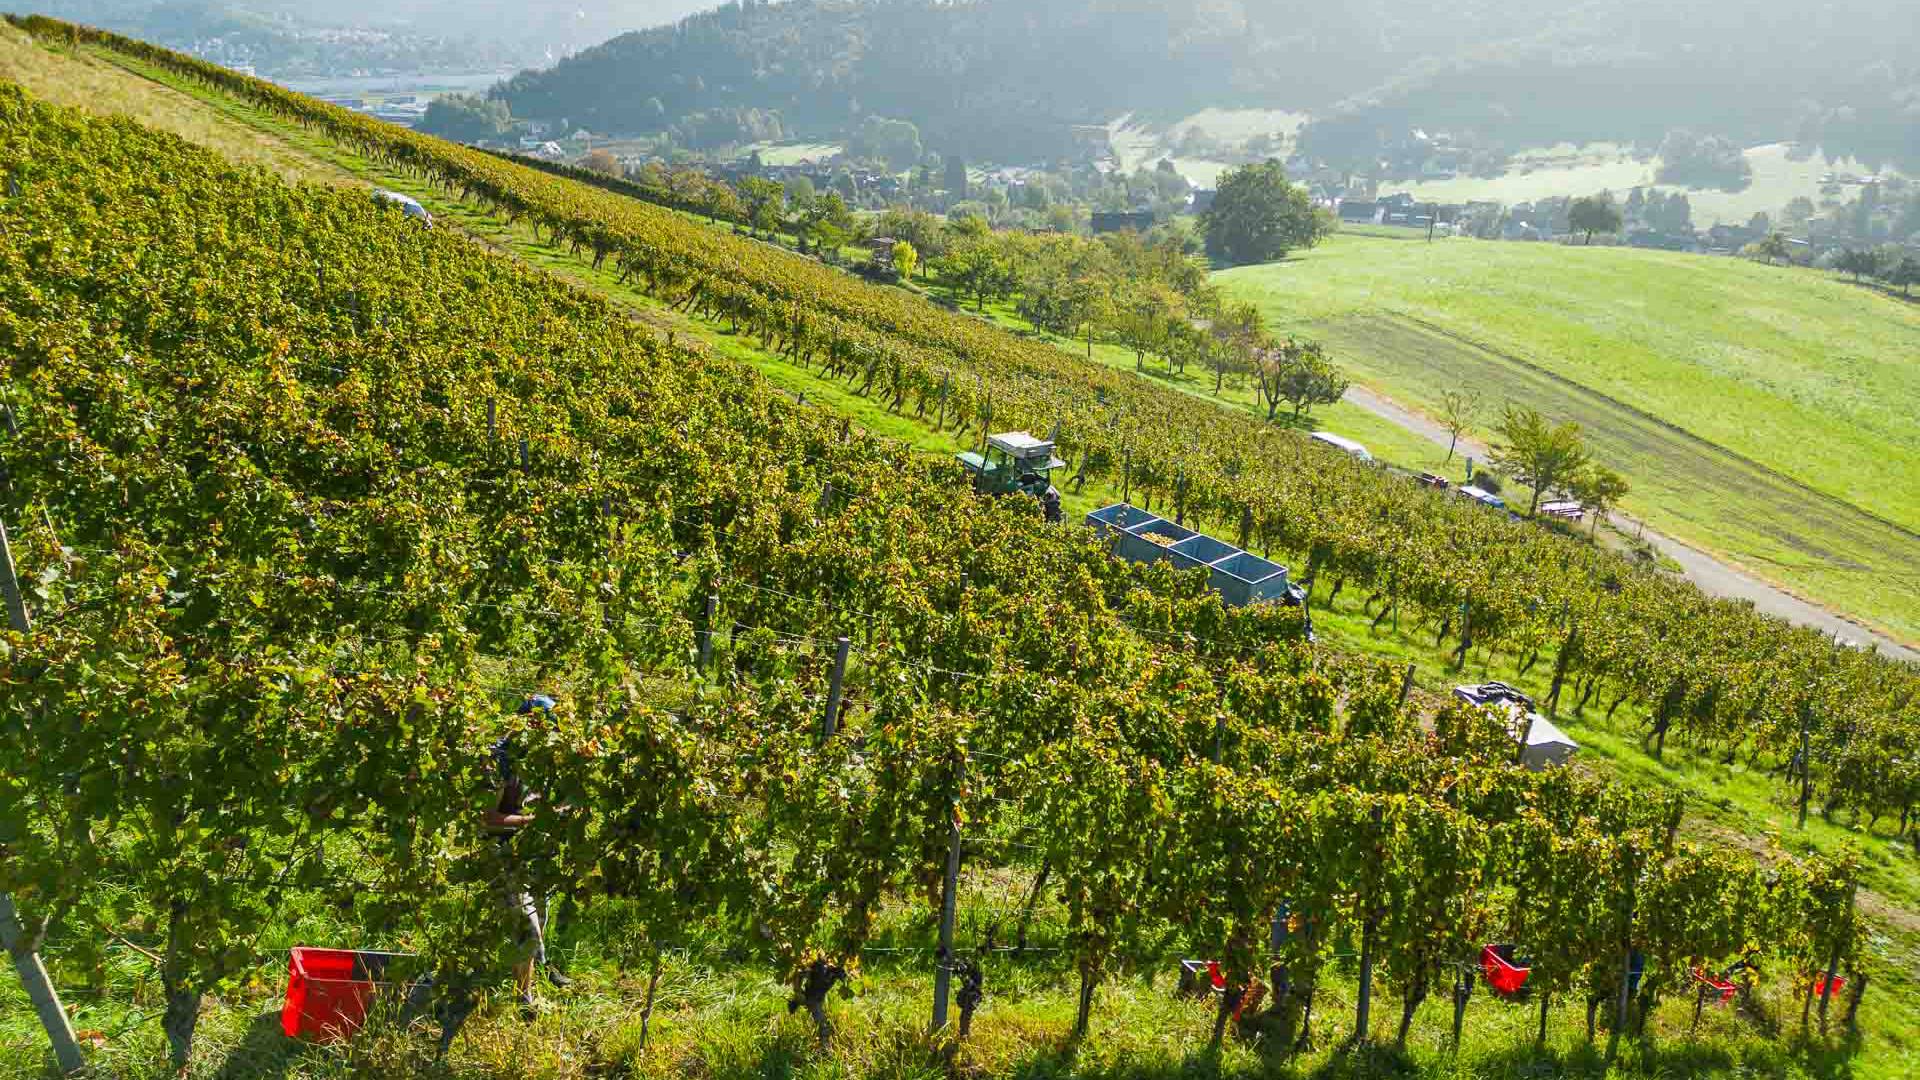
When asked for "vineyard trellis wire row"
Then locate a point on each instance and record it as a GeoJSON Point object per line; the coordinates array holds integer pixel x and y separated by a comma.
{"type": "Point", "coordinates": [1709, 671]}
{"type": "Point", "coordinates": [247, 521]}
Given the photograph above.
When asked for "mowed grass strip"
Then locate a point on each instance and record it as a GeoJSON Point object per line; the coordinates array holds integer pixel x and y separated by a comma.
{"type": "Point", "coordinates": [1763, 413]}
{"type": "Point", "coordinates": [81, 80]}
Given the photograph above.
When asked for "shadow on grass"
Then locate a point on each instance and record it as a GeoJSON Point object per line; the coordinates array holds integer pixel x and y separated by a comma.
{"type": "Point", "coordinates": [263, 1053]}
{"type": "Point", "coordinates": [1380, 1062]}
{"type": "Point", "coordinates": [1905, 297]}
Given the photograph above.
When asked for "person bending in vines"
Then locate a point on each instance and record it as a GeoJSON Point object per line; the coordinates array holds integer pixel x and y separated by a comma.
{"type": "Point", "coordinates": [512, 811]}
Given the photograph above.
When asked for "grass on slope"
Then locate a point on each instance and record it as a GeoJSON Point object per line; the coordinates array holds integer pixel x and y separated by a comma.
{"type": "Point", "coordinates": [84, 81]}
{"type": "Point", "coordinates": [720, 1014]}
{"type": "Point", "coordinates": [723, 1018]}
{"type": "Point", "coordinates": [1762, 413]}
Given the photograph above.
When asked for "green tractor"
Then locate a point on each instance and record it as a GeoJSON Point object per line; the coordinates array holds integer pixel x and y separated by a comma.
{"type": "Point", "coordinates": [1014, 462]}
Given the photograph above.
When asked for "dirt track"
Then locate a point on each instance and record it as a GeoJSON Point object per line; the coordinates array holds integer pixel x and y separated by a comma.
{"type": "Point", "coordinates": [1709, 573]}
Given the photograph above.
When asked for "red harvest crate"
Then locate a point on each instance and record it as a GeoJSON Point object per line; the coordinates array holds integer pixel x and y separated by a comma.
{"type": "Point", "coordinates": [1505, 976]}
{"type": "Point", "coordinates": [1820, 984]}
{"type": "Point", "coordinates": [1725, 989]}
{"type": "Point", "coordinates": [328, 991]}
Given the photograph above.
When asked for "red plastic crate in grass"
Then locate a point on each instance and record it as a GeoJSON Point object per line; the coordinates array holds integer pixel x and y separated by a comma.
{"type": "Point", "coordinates": [1820, 984]}
{"type": "Point", "coordinates": [328, 991]}
{"type": "Point", "coordinates": [1725, 989]}
{"type": "Point", "coordinates": [1505, 976]}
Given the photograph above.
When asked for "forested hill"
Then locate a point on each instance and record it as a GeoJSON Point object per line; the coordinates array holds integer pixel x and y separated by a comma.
{"type": "Point", "coordinates": [1007, 78]}
{"type": "Point", "coordinates": [995, 78]}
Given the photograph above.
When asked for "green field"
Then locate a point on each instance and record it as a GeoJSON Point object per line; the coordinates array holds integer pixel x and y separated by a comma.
{"type": "Point", "coordinates": [1762, 413]}
{"type": "Point", "coordinates": [1779, 175]}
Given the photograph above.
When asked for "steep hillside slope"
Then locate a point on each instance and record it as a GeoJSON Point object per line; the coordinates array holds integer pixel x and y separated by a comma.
{"type": "Point", "coordinates": [278, 509]}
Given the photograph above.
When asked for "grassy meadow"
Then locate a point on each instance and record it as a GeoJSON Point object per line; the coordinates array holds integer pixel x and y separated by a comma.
{"type": "Point", "coordinates": [1779, 176]}
{"type": "Point", "coordinates": [1762, 413]}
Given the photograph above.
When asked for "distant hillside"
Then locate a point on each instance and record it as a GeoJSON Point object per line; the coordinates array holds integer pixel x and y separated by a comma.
{"type": "Point", "coordinates": [291, 38]}
{"type": "Point", "coordinates": [993, 78]}
{"type": "Point", "coordinates": [1007, 78]}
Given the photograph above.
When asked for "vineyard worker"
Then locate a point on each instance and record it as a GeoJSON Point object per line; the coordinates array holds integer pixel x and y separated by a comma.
{"type": "Point", "coordinates": [512, 811]}
{"type": "Point", "coordinates": [1050, 506]}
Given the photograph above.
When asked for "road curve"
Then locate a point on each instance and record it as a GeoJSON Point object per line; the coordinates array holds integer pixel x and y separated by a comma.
{"type": "Point", "coordinates": [1713, 576]}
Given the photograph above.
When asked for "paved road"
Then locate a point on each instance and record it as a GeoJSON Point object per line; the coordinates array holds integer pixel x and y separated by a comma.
{"type": "Point", "coordinates": [1713, 577]}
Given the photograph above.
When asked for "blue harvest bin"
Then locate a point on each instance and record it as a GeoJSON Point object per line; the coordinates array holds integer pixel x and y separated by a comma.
{"type": "Point", "coordinates": [1134, 543]}
{"type": "Point", "coordinates": [1119, 517]}
{"type": "Point", "coordinates": [1200, 550]}
{"type": "Point", "coordinates": [1246, 578]}
{"type": "Point", "coordinates": [1240, 577]}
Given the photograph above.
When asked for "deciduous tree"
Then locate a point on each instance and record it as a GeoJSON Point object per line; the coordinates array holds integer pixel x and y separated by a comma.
{"type": "Point", "coordinates": [1258, 216]}
{"type": "Point", "coordinates": [1459, 411]}
{"type": "Point", "coordinates": [1542, 455]}
{"type": "Point", "coordinates": [601, 161]}
{"type": "Point", "coordinates": [905, 258]}
{"type": "Point", "coordinates": [764, 202]}
{"type": "Point", "coordinates": [1599, 489]}
{"type": "Point", "coordinates": [1593, 214]}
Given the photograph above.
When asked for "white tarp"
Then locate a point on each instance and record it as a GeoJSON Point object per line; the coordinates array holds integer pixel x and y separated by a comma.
{"type": "Point", "coordinates": [1546, 744]}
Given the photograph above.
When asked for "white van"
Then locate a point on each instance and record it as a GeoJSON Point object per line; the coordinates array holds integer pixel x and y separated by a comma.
{"type": "Point", "coordinates": [1342, 444]}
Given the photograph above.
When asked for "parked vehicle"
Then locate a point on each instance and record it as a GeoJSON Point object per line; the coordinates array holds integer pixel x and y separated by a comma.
{"type": "Point", "coordinates": [408, 205]}
{"type": "Point", "coordinates": [1012, 461]}
{"type": "Point", "coordinates": [1342, 444]}
{"type": "Point", "coordinates": [1485, 498]}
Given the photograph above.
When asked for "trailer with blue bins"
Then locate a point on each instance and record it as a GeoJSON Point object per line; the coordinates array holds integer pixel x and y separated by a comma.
{"type": "Point", "coordinates": [1239, 577]}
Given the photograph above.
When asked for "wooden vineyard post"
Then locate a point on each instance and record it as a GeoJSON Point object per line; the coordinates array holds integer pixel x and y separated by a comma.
{"type": "Point", "coordinates": [706, 631]}
{"type": "Point", "coordinates": [834, 685]}
{"type": "Point", "coordinates": [1833, 968]}
{"type": "Point", "coordinates": [986, 415]}
{"type": "Point", "coordinates": [492, 430]}
{"type": "Point", "coordinates": [1853, 1001]}
{"type": "Point", "coordinates": [949, 900]}
{"type": "Point", "coordinates": [1806, 763]}
{"type": "Point", "coordinates": [1406, 686]}
{"type": "Point", "coordinates": [1466, 634]}
{"type": "Point", "coordinates": [1626, 960]}
{"type": "Point", "coordinates": [1462, 993]}
{"type": "Point", "coordinates": [25, 953]}
{"type": "Point", "coordinates": [1364, 1007]}
{"type": "Point", "coordinates": [1560, 671]}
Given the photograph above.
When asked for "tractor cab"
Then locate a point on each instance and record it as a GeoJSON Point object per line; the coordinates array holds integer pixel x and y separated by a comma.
{"type": "Point", "coordinates": [1013, 462]}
